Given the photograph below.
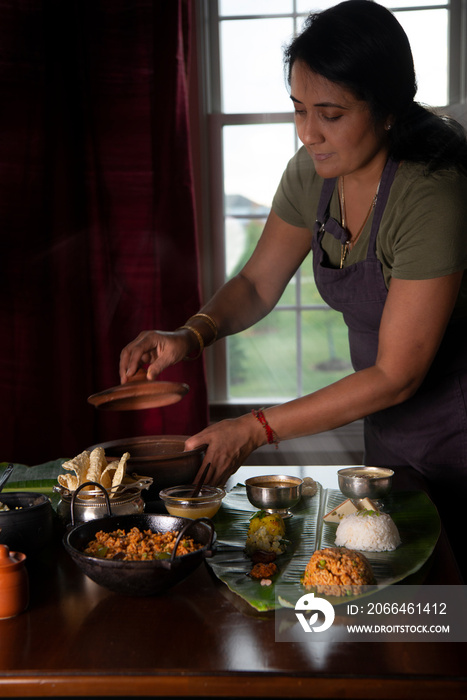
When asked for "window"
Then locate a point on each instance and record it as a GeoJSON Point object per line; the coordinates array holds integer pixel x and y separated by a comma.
{"type": "Point", "coordinates": [250, 135]}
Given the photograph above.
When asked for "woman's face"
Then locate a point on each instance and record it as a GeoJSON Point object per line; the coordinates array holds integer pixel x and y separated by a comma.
{"type": "Point", "coordinates": [336, 128]}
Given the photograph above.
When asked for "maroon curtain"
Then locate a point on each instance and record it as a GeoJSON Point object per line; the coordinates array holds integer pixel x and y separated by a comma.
{"type": "Point", "coordinates": [96, 216]}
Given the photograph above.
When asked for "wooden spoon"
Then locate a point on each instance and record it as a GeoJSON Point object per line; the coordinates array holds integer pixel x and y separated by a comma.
{"type": "Point", "coordinates": [200, 483]}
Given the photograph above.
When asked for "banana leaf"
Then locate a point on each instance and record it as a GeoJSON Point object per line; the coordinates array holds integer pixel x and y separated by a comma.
{"type": "Point", "coordinates": [41, 478]}
{"type": "Point", "coordinates": [413, 512]}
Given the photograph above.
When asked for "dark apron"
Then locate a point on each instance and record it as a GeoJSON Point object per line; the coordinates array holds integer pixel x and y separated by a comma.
{"type": "Point", "coordinates": [429, 431]}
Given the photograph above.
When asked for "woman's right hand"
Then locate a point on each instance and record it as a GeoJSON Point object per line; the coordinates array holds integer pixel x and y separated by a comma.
{"type": "Point", "coordinates": [155, 350]}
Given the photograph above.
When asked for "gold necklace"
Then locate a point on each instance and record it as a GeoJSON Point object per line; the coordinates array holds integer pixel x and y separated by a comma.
{"type": "Point", "coordinates": [349, 244]}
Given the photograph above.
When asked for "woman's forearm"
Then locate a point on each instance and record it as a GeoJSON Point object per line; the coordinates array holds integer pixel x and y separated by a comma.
{"type": "Point", "coordinates": [349, 399]}
{"type": "Point", "coordinates": [353, 397]}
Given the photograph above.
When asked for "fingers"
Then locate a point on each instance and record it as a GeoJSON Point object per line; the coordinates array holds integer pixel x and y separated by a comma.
{"type": "Point", "coordinates": [154, 349]}
{"type": "Point", "coordinates": [215, 476]}
{"type": "Point", "coordinates": [215, 464]}
{"type": "Point", "coordinates": [228, 445]}
{"type": "Point", "coordinates": [135, 354]}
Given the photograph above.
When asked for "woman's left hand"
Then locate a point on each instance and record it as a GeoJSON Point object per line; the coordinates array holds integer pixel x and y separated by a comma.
{"type": "Point", "coordinates": [229, 443]}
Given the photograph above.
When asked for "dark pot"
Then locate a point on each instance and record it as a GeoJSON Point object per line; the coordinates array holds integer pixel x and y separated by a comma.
{"type": "Point", "coordinates": [161, 457]}
{"type": "Point", "coordinates": [30, 528]}
{"type": "Point", "coordinates": [140, 578]}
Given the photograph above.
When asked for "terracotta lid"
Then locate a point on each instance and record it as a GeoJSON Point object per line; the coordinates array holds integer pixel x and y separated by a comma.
{"type": "Point", "coordinates": [139, 393]}
{"type": "Point", "coordinates": [10, 559]}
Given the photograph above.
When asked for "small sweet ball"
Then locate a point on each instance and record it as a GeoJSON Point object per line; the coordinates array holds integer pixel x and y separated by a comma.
{"type": "Point", "coordinates": [309, 487]}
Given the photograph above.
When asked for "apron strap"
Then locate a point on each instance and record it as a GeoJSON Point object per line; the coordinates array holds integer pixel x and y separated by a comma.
{"type": "Point", "coordinates": [327, 223]}
{"type": "Point", "coordinates": [387, 178]}
{"type": "Point", "coordinates": [324, 221]}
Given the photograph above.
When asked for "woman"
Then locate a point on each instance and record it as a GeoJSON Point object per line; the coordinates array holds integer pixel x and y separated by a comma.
{"type": "Point", "coordinates": [379, 193]}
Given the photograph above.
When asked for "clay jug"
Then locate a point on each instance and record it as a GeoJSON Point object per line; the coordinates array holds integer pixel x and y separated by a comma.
{"type": "Point", "coordinates": [14, 583]}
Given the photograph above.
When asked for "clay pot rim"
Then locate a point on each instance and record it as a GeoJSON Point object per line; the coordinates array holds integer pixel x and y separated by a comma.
{"type": "Point", "coordinates": [166, 456]}
{"type": "Point", "coordinates": [42, 499]}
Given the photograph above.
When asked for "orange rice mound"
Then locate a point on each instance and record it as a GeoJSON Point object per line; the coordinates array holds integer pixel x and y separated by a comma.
{"type": "Point", "coordinates": [338, 571]}
{"type": "Point", "coordinates": [137, 545]}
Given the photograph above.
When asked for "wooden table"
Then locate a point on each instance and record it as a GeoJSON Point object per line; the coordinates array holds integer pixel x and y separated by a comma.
{"type": "Point", "coordinates": [200, 640]}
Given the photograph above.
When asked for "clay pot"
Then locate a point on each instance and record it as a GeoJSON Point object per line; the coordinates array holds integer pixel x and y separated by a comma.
{"type": "Point", "coordinates": [29, 524]}
{"type": "Point", "coordinates": [14, 583]}
{"type": "Point", "coordinates": [161, 457]}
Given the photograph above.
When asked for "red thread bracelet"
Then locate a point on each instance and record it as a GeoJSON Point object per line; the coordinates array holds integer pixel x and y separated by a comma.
{"type": "Point", "coordinates": [270, 434]}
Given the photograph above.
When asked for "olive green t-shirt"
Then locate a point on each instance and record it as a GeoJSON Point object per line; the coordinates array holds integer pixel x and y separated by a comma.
{"type": "Point", "coordinates": [423, 232]}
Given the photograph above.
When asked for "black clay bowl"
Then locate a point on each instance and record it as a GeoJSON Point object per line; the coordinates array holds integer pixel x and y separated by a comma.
{"type": "Point", "coordinates": [140, 578]}
{"type": "Point", "coordinates": [161, 457]}
{"type": "Point", "coordinates": [29, 524]}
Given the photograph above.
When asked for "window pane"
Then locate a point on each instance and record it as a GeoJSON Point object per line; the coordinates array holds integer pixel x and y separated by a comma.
{"type": "Point", "coordinates": [254, 7]}
{"type": "Point", "coordinates": [314, 5]}
{"type": "Point", "coordinates": [428, 36]}
{"type": "Point", "coordinates": [255, 156]}
{"type": "Point", "coordinates": [252, 170]}
{"type": "Point", "coordinates": [262, 360]}
{"type": "Point", "coordinates": [394, 4]}
{"type": "Point", "coordinates": [289, 296]}
{"type": "Point", "coordinates": [252, 69]}
{"type": "Point", "coordinates": [325, 354]}
{"type": "Point", "coordinates": [241, 237]}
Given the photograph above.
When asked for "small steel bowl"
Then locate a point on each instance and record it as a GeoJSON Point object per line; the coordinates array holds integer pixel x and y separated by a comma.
{"type": "Point", "coordinates": [365, 482]}
{"type": "Point", "coordinates": [179, 502]}
{"type": "Point", "coordinates": [274, 494]}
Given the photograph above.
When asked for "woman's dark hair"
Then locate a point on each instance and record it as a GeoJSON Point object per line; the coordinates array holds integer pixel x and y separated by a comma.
{"type": "Point", "coordinates": [360, 45]}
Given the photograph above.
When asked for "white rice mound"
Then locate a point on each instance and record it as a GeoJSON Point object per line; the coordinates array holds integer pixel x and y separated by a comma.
{"type": "Point", "coordinates": [368, 531]}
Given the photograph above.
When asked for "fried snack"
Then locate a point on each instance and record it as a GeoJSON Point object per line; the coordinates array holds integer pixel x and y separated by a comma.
{"type": "Point", "coordinates": [108, 475]}
{"type": "Point", "coordinates": [80, 465]}
{"type": "Point", "coordinates": [121, 469]}
{"type": "Point", "coordinates": [338, 571]}
{"type": "Point", "coordinates": [93, 466]}
{"type": "Point", "coordinates": [68, 481]}
{"type": "Point", "coordinates": [97, 464]}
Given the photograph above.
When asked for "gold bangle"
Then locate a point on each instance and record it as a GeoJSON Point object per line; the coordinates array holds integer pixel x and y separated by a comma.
{"type": "Point", "coordinates": [199, 338]}
{"type": "Point", "coordinates": [211, 323]}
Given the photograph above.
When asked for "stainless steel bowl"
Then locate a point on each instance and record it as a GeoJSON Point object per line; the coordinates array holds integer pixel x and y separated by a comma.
{"type": "Point", "coordinates": [86, 509]}
{"type": "Point", "coordinates": [274, 494]}
{"type": "Point", "coordinates": [365, 482]}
